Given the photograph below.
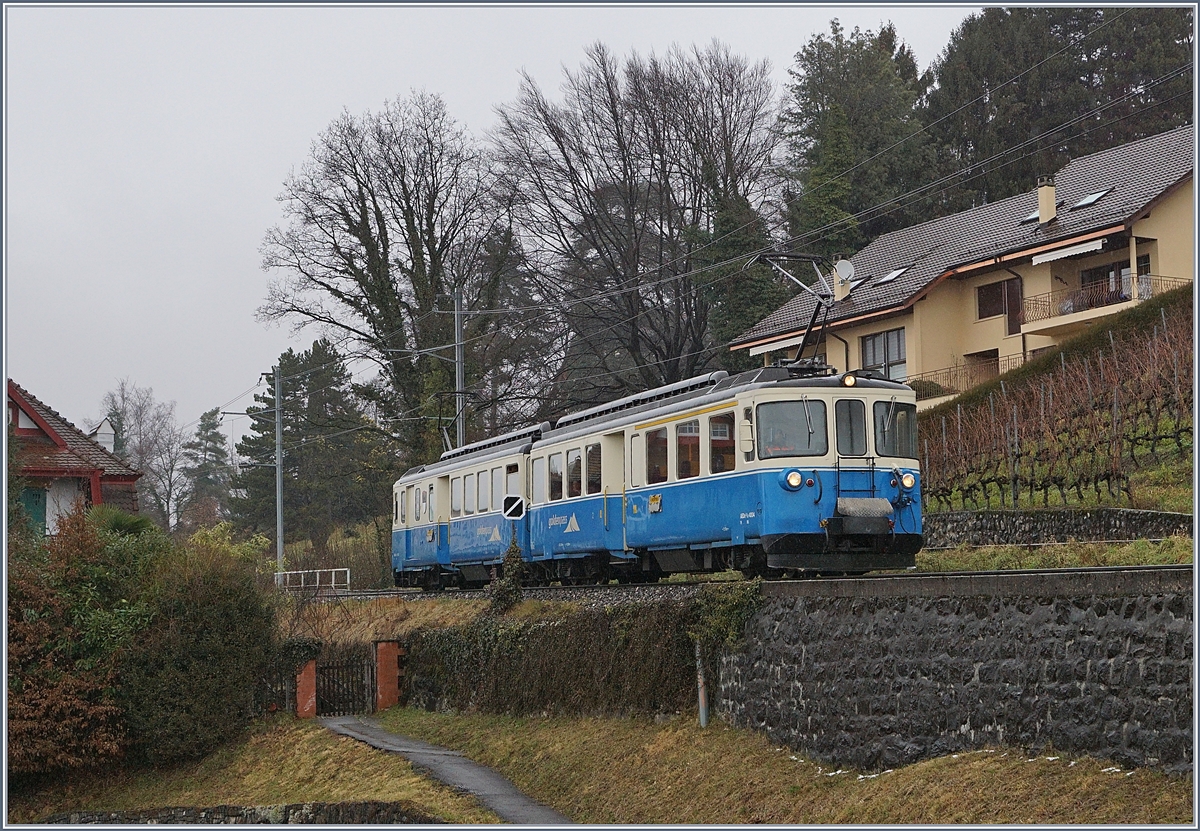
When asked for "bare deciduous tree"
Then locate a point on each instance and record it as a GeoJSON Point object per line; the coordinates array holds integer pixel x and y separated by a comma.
{"type": "Point", "coordinates": [613, 190]}
{"type": "Point", "coordinates": [151, 441]}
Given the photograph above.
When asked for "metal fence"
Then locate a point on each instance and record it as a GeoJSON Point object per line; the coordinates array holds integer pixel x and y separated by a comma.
{"type": "Point", "coordinates": [314, 581]}
{"type": "Point", "coordinates": [957, 379]}
{"type": "Point", "coordinates": [1070, 301]}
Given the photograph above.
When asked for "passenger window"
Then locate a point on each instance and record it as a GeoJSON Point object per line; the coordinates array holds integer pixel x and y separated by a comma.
{"type": "Point", "coordinates": [484, 481]}
{"type": "Point", "coordinates": [850, 416]}
{"type": "Point", "coordinates": [513, 483]}
{"type": "Point", "coordinates": [656, 456]}
{"type": "Point", "coordinates": [556, 476]}
{"type": "Point", "coordinates": [395, 507]}
{"type": "Point", "coordinates": [404, 497]}
{"type": "Point", "coordinates": [497, 488]}
{"type": "Point", "coordinates": [592, 451]}
{"type": "Point", "coordinates": [722, 450]}
{"type": "Point", "coordinates": [539, 481]}
{"type": "Point", "coordinates": [469, 493]}
{"type": "Point", "coordinates": [687, 449]}
{"type": "Point", "coordinates": [456, 493]}
{"type": "Point", "coordinates": [420, 503]}
{"type": "Point", "coordinates": [429, 514]}
{"type": "Point", "coordinates": [574, 473]}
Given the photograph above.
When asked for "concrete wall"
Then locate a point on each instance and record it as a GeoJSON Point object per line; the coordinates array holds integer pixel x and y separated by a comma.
{"type": "Point", "coordinates": [955, 528]}
{"type": "Point", "coordinates": [873, 674]}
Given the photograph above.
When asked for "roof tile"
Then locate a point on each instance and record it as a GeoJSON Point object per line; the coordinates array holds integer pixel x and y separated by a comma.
{"type": "Point", "coordinates": [1136, 174]}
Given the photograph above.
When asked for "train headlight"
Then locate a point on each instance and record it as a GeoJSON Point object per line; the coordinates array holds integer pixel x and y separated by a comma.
{"type": "Point", "coordinates": [849, 380]}
{"type": "Point", "coordinates": [908, 481]}
{"type": "Point", "coordinates": [791, 480]}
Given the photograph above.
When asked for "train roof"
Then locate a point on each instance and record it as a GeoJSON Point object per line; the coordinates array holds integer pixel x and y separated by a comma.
{"type": "Point", "coordinates": [713, 387]}
{"type": "Point", "coordinates": [707, 389]}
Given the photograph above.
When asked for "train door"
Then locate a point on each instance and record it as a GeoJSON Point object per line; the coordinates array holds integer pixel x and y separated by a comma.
{"type": "Point", "coordinates": [612, 485]}
{"type": "Point", "coordinates": [855, 468]}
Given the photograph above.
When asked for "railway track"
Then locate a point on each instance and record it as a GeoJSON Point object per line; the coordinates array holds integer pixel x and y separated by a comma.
{"type": "Point", "coordinates": [665, 590]}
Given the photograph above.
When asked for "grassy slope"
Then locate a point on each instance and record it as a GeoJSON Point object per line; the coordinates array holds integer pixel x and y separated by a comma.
{"type": "Point", "coordinates": [628, 771]}
{"type": "Point", "coordinates": [282, 761]}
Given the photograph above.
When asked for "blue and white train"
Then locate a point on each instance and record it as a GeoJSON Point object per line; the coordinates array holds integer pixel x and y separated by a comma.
{"type": "Point", "coordinates": [779, 471]}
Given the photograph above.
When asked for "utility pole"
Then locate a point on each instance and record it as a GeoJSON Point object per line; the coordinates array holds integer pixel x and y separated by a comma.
{"type": "Point", "coordinates": [278, 471]}
{"type": "Point", "coordinates": [460, 397]}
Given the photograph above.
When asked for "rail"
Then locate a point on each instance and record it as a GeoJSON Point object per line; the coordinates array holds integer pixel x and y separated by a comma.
{"type": "Point", "coordinates": [314, 581]}
{"type": "Point", "coordinates": [953, 380]}
{"type": "Point", "coordinates": [1070, 301]}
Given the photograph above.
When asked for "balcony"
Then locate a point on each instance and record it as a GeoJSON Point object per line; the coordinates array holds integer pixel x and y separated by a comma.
{"type": "Point", "coordinates": [954, 380]}
{"type": "Point", "coordinates": [1069, 310]}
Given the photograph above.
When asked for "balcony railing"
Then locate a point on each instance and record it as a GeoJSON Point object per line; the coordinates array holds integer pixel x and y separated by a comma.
{"type": "Point", "coordinates": [1070, 301]}
{"type": "Point", "coordinates": [957, 379]}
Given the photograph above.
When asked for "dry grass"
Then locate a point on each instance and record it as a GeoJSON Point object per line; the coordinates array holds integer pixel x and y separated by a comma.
{"type": "Point", "coordinates": [282, 761]}
{"type": "Point", "coordinates": [1068, 555]}
{"type": "Point", "coordinates": [633, 771]}
{"type": "Point", "coordinates": [364, 621]}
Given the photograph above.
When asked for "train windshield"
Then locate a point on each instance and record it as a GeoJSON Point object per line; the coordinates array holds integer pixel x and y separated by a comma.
{"type": "Point", "coordinates": [896, 429]}
{"type": "Point", "coordinates": [792, 428]}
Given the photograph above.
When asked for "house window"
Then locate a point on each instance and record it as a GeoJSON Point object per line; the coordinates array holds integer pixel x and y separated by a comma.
{"type": "Point", "coordinates": [884, 353]}
{"type": "Point", "coordinates": [1003, 298]}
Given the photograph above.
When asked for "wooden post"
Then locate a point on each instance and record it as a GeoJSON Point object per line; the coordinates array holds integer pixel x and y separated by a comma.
{"type": "Point", "coordinates": [306, 690]}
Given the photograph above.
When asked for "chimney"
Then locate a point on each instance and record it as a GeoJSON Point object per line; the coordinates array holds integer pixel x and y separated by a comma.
{"type": "Point", "coordinates": [1047, 207]}
{"type": "Point", "coordinates": [104, 435]}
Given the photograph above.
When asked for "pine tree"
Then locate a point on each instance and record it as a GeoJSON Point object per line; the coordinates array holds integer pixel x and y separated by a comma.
{"type": "Point", "coordinates": [337, 464]}
{"type": "Point", "coordinates": [207, 469]}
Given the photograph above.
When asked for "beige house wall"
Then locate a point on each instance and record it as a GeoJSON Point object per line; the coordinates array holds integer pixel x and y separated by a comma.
{"type": "Point", "coordinates": [943, 327]}
{"type": "Point", "coordinates": [1172, 224]}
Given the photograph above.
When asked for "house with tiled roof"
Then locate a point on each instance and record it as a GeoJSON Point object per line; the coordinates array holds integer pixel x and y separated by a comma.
{"type": "Point", "coordinates": [954, 301]}
{"type": "Point", "coordinates": [61, 464]}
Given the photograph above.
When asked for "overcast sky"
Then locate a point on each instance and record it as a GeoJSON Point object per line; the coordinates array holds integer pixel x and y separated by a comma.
{"type": "Point", "coordinates": [145, 148]}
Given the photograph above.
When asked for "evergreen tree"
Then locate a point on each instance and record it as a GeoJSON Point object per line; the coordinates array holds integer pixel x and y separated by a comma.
{"type": "Point", "coordinates": [337, 467]}
{"type": "Point", "coordinates": [854, 139]}
{"type": "Point", "coordinates": [1008, 107]}
{"type": "Point", "coordinates": [207, 469]}
{"type": "Point", "coordinates": [740, 297]}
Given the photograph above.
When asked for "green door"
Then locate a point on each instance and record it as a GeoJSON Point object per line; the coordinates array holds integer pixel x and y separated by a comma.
{"type": "Point", "coordinates": [33, 500]}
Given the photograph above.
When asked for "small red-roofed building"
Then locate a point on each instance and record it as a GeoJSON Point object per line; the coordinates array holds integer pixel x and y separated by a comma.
{"type": "Point", "coordinates": [61, 464]}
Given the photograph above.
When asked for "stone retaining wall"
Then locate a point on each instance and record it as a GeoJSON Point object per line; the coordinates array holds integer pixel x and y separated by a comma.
{"type": "Point", "coordinates": [305, 813]}
{"type": "Point", "coordinates": [948, 530]}
{"type": "Point", "coordinates": [873, 674]}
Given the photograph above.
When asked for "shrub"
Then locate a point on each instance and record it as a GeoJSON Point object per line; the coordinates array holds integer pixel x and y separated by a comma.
{"type": "Point", "coordinates": [190, 682]}
{"type": "Point", "coordinates": [116, 521]}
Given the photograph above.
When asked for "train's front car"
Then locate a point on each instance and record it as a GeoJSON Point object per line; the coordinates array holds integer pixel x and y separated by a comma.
{"type": "Point", "coordinates": [844, 490]}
